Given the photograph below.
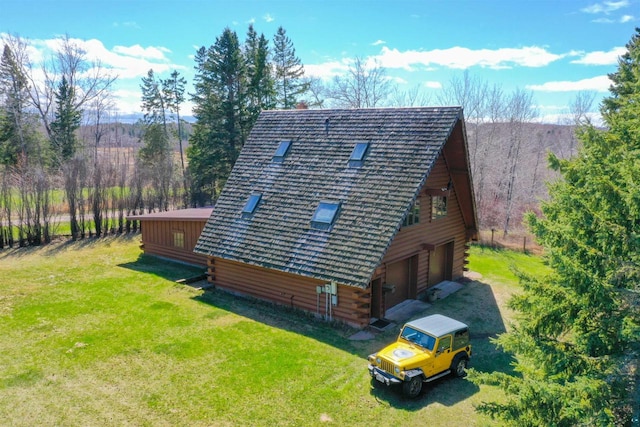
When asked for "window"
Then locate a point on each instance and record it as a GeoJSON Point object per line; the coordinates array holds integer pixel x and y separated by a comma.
{"type": "Point", "coordinates": [438, 207]}
{"type": "Point", "coordinates": [444, 344]}
{"type": "Point", "coordinates": [325, 215]}
{"type": "Point", "coordinates": [252, 203]}
{"type": "Point", "coordinates": [282, 151]}
{"type": "Point", "coordinates": [358, 153]}
{"type": "Point", "coordinates": [413, 217]}
{"type": "Point", "coordinates": [178, 239]}
{"type": "Point", "coordinates": [461, 339]}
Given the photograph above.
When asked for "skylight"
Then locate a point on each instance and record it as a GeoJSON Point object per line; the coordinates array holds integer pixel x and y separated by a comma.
{"type": "Point", "coordinates": [325, 215]}
{"type": "Point", "coordinates": [282, 151]}
{"type": "Point", "coordinates": [252, 204]}
{"type": "Point", "coordinates": [359, 151]}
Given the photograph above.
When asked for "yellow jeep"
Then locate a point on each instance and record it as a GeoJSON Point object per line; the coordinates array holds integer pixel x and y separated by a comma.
{"type": "Point", "coordinates": [426, 349]}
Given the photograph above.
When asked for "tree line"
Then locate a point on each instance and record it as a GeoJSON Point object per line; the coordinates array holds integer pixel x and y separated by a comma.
{"type": "Point", "coordinates": [55, 120]}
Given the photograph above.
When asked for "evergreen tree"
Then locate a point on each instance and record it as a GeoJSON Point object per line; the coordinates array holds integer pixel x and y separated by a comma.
{"type": "Point", "coordinates": [17, 130]}
{"type": "Point", "coordinates": [174, 88]}
{"type": "Point", "coordinates": [154, 101]}
{"type": "Point", "coordinates": [63, 128]}
{"type": "Point", "coordinates": [289, 72]}
{"type": "Point", "coordinates": [223, 121]}
{"type": "Point", "coordinates": [261, 86]}
{"type": "Point", "coordinates": [577, 331]}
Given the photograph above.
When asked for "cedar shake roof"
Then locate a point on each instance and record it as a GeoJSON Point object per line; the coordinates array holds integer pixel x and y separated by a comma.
{"type": "Point", "coordinates": [374, 195]}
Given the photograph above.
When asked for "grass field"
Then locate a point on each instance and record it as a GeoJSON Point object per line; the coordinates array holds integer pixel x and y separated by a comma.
{"type": "Point", "coordinates": [94, 333]}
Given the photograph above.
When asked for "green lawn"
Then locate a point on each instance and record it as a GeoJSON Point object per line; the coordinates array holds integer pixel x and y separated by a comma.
{"type": "Point", "coordinates": [94, 333]}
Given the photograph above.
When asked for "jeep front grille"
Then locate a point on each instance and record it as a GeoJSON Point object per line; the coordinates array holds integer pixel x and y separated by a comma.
{"type": "Point", "coordinates": [387, 366]}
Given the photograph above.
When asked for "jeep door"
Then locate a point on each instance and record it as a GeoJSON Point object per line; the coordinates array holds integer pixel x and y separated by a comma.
{"type": "Point", "coordinates": [442, 354]}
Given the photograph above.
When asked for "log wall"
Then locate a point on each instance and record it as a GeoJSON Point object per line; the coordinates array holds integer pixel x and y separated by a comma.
{"type": "Point", "coordinates": [290, 290]}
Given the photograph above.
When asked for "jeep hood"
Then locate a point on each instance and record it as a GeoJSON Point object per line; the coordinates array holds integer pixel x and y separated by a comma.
{"type": "Point", "coordinates": [402, 354]}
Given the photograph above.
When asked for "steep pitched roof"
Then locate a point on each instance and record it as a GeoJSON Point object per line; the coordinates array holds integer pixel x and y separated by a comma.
{"type": "Point", "coordinates": [374, 194]}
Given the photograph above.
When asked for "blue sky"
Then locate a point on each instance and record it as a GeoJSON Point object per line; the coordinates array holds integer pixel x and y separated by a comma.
{"type": "Point", "coordinates": [553, 48]}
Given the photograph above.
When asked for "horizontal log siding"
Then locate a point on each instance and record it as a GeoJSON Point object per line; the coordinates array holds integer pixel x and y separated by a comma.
{"type": "Point", "coordinates": [157, 238]}
{"type": "Point", "coordinates": [289, 290]}
{"type": "Point", "coordinates": [410, 240]}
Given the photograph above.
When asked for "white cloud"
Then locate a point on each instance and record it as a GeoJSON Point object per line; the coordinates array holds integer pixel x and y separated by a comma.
{"type": "Point", "coordinates": [150, 52]}
{"type": "Point", "coordinates": [603, 21]}
{"type": "Point", "coordinates": [599, 84]}
{"type": "Point", "coordinates": [398, 80]}
{"type": "Point", "coordinates": [433, 85]}
{"type": "Point", "coordinates": [127, 63]}
{"type": "Point", "coordinates": [268, 18]}
{"type": "Point", "coordinates": [378, 42]}
{"type": "Point", "coordinates": [626, 18]}
{"type": "Point", "coordinates": [605, 7]}
{"type": "Point", "coordinates": [326, 70]}
{"type": "Point", "coordinates": [127, 24]}
{"type": "Point", "coordinates": [463, 58]}
{"type": "Point", "coordinates": [601, 58]}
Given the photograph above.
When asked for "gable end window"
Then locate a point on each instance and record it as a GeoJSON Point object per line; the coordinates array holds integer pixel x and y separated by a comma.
{"type": "Point", "coordinates": [282, 151]}
{"type": "Point", "coordinates": [413, 217]}
{"type": "Point", "coordinates": [438, 207]}
{"type": "Point", "coordinates": [358, 154]}
{"type": "Point", "coordinates": [325, 215]}
{"type": "Point", "coordinates": [252, 204]}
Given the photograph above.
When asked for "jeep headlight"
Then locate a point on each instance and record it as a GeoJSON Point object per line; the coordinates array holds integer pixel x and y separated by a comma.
{"type": "Point", "coordinates": [378, 360]}
{"type": "Point", "coordinates": [397, 369]}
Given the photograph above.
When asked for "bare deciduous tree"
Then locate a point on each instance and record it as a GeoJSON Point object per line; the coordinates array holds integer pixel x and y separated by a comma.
{"type": "Point", "coordinates": [412, 97]}
{"type": "Point", "coordinates": [364, 86]}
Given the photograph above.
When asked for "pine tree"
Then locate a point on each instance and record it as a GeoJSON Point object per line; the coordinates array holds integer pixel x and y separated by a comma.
{"type": "Point", "coordinates": [67, 120]}
{"type": "Point", "coordinates": [17, 131]}
{"type": "Point", "coordinates": [174, 88]}
{"type": "Point", "coordinates": [577, 332]}
{"type": "Point", "coordinates": [223, 121]}
{"type": "Point", "coordinates": [261, 86]}
{"type": "Point", "coordinates": [289, 72]}
{"type": "Point", "coordinates": [154, 101]}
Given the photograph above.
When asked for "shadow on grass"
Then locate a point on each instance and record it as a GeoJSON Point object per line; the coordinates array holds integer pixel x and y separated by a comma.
{"type": "Point", "coordinates": [289, 319]}
{"type": "Point", "coordinates": [446, 391]}
{"type": "Point", "coordinates": [161, 267]}
{"type": "Point", "coordinates": [58, 245]}
{"type": "Point", "coordinates": [475, 305]}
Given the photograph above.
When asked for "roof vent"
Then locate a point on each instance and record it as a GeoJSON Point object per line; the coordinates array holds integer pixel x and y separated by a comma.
{"type": "Point", "coordinates": [326, 126]}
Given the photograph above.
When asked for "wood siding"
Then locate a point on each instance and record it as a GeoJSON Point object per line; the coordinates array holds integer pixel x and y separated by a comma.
{"type": "Point", "coordinates": [158, 239]}
{"type": "Point", "coordinates": [290, 290]}
{"type": "Point", "coordinates": [422, 238]}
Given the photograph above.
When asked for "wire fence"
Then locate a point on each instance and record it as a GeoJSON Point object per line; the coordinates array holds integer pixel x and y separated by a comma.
{"type": "Point", "coordinates": [518, 241]}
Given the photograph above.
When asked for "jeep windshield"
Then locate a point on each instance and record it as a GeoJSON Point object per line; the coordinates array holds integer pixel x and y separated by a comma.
{"type": "Point", "coordinates": [417, 337]}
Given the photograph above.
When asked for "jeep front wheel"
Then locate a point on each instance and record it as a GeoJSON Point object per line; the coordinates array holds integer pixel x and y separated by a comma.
{"type": "Point", "coordinates": [412, 387]}
{"type": "Point", "coordinates": [459, 366]}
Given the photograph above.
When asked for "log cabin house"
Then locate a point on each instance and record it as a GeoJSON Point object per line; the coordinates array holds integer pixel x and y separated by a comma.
{"type": "Point", "coordinates": [344, 213]}
{"type": "Point", "coordinates": [173, 234]}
